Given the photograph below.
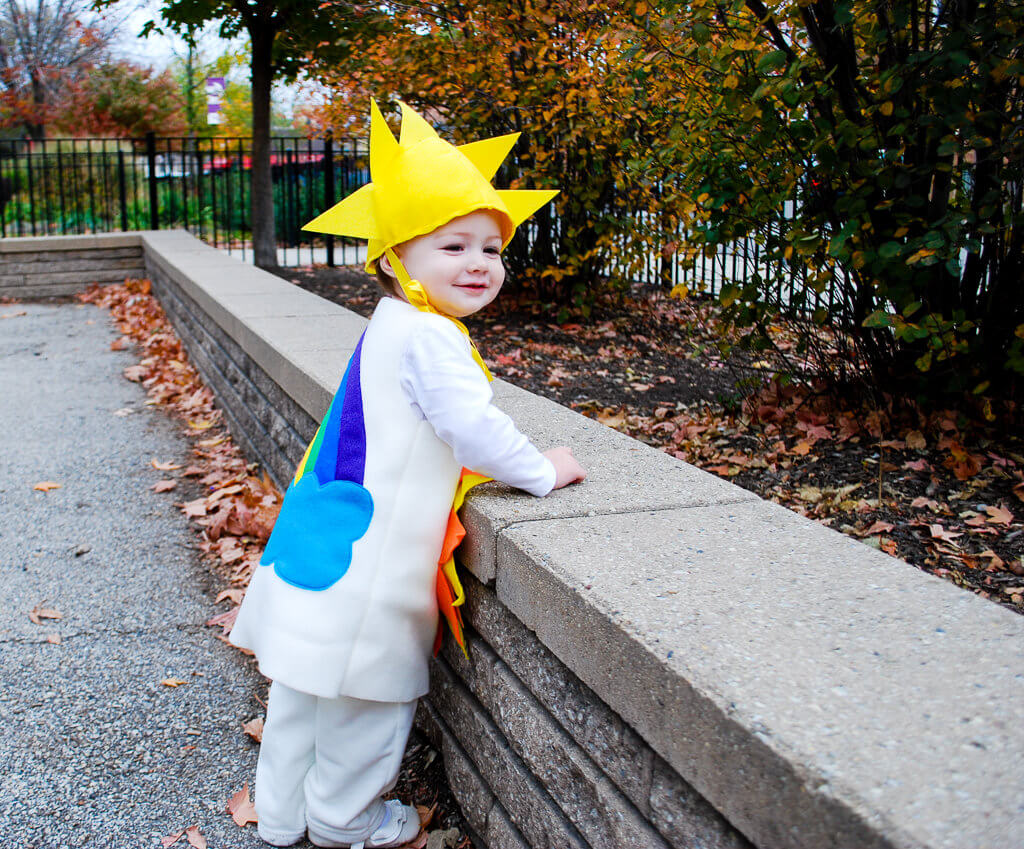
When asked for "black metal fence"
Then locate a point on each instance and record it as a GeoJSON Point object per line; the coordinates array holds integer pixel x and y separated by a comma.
{"type": "Point", "coordinates": [74, 186]}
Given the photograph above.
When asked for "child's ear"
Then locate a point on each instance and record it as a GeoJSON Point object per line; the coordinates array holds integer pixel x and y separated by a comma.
{"type": "Point", "coordinates": [384, 264]}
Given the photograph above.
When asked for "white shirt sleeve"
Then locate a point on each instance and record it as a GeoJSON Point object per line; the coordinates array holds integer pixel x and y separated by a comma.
{"type": "Point", "coordinates": [447, 387]}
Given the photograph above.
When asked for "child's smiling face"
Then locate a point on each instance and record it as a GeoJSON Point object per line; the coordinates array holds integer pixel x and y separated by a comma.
{"type": "Point", "coordinates": [459, 264]}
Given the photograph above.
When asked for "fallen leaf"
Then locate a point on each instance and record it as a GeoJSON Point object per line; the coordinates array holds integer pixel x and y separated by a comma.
{"type": "Point", "coordinates": [878, 527]}
{"type": "Point", "coordinates": [254, 728]}
{"type": "Point", "coordinates": [14, 314]}
{"type": "Point", "coordinates": [46, 486]}
{"type": "Point", "coordinates": [241, 808]}
{"type": "Point", "coordinates": [171, 839]}
{"type": "Point", "coordinates": [225, 620]}
{"type": "Point", "coordinates": [164, 486]}
{"type": "Point", "coordinates": [53, 638]}
{"type": "Point", "coordinates": [195, 837]}
{"type": "Point", "coordinates": [38, 613]}
{"type": "Point", "coordinates": [195, 508]}
{"type": "Point", "coordinates": [999, 515]}
{"type": "Point", "coordinates": [426, 814]}
{"type": "Point", "coordinates": [120, 344]}
{"type": "Point", "coordinates": [888, 546]}
{"type": "Point", "coordinates": [915, 439]}
{"type": "Point", "coordinates": [611, 418]}
{"type": "Point", "coordinates": [173, 682]}
{"type": "Point", "coordinates": [802, 448]}
{"type": "Point", "coordinates": [995, 561]}
{"type": "Point", "coordinates": [164, 465]}
{"type": "Point", "coordinates": [135, 373]}
{"type": "Point", "coordinates": [939, 532]}
{"type": "Point", "coordinates": [918, 465]}
{"type": "Point", "coordinates": [234, 594]}
{"type": "Point", "coordinates": [810, 494]}
{"type": "Point", "coordinates": [214, 497]}
{"type": "Point", "coordinates": [124, 411]}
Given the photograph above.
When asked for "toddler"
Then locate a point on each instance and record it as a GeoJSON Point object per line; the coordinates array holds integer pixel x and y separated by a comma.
{"type": "Point", "coordinates": [342, 611]}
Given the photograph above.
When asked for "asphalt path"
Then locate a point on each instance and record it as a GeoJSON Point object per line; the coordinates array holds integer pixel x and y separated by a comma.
{"type": "Point", "coordinates": [94, 750]}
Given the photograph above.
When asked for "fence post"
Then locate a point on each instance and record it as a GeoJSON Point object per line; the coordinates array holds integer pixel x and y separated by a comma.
{"type": "Point", "coordinates": [329, 189]}
{"type": "Point", "coordinates": [121, 193]}
{"type": "Point", "coordinates": [154, 212]}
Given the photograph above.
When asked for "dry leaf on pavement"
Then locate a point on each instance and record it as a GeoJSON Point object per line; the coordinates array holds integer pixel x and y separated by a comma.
{"type": "Point", "coordinates": [195, 837]}
{"type": "Point", "coordinates": [173, 682]}
{"type": "Point", "coordinates": [254, 728]}
{"type": "Point", "coordinates": [164, 465]}
{"type": "Point", "coordinates": [164, 486]}
{"type": "Point", "coordinates": [171, 839]}
{"type": "Point", "coordinates": [38, 613]}
{"type": "Point", "coordinates": [241, 808]}
{"type": "Point", "coordinates": [46, 486]}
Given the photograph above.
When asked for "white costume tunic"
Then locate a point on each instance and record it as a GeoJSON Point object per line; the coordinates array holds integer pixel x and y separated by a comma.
{"type": "Point", "coordinates": [343, 603]}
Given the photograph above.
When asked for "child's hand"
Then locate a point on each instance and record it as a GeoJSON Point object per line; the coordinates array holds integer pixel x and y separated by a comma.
{"type": "Point", "coordinates": [567, 470]}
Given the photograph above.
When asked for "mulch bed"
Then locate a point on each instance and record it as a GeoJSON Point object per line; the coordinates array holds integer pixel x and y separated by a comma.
{"type": "Point", "coordinates": [940, 491]}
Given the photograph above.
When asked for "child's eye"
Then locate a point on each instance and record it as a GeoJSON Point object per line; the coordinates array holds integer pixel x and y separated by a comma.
{"type": "Point", "coordinates": [493, 251]}
{"type": "Point", "coordinates": [453, 247]}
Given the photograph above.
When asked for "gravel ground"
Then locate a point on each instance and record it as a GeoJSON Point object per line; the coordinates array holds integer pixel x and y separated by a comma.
{"type": "Point", "coordinates": [97, 750]}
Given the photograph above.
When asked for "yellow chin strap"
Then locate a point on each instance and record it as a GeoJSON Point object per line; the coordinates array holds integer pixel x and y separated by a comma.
{"type": "Point", "coordinates": [416, 295]}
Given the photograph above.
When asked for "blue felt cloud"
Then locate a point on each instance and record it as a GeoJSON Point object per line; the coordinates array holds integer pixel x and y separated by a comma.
{"type": "Point", "coordinates": [311, 546]}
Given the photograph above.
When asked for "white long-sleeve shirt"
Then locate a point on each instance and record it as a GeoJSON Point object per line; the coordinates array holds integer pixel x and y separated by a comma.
{"type": "Point", "coordinates": [448, 389]}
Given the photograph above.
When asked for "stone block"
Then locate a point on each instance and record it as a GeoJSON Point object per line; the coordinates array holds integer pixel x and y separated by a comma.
{"type": "Point", "coordinates": [501, 833]}
{"type": "Point", "coordinates": [683, 817]}
{"type": "Point", "coordinates": [529, 806]}
{"type": "Point", "coordinates": [474, 796]}
{"type": "Point", "coordinates": [594, 805]}
{"type": "Point", "coordinates": [800, 681]}
{"type": "Point", "coordinates": [37, 244]}
{"type": "Point", "coordinates": [621, 752]}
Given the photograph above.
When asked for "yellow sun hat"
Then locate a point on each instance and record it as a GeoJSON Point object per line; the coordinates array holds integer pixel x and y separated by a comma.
{"type": "Point", "coordinates": [421, 182]}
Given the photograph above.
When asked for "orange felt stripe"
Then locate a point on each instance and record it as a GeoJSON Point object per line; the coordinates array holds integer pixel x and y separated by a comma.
{"type": "Point", "coordinates": [454, 534]}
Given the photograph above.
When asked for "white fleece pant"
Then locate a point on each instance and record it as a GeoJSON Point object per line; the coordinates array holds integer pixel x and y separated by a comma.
{"type": "Point", "coordinates": [326, 763]}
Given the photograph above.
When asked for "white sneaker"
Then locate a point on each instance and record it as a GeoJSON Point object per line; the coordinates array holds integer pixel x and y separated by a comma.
{"type": "Point", "coordinates": [401, 824]}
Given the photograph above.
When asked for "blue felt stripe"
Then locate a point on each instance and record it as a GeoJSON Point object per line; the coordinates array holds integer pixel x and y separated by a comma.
{"type": "Point", "coordinates": [351, 462]}
{"type": "Point", "coordinates": [334, 448]}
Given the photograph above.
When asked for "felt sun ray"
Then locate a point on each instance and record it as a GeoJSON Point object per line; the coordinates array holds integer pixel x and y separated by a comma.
{"type": "Point", "coordinates": [420, 182]}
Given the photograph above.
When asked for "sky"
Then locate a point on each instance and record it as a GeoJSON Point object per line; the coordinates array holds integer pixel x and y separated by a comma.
{"type": "Point", "coordinates": [160, 50]}
{"type": "Point", "coordinates": [157, 51]}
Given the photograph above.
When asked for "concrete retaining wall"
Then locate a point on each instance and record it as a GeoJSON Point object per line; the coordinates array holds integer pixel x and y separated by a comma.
{"type": "Point", "coordinates": [657, 658]}
{"type": "Point", "coordinates": [63, 265]}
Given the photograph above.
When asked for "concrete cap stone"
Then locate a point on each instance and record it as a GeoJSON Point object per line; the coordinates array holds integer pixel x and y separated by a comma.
{"type": "Point", "coordinates": [817, 692]}
{"type": "Point", "coordinates": [98, 241]}
{"type": "Point", "coordinates": [623, 475]}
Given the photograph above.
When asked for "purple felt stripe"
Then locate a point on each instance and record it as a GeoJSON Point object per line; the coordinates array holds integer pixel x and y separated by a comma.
{"type": "Point", "coordinates": [351, 463]}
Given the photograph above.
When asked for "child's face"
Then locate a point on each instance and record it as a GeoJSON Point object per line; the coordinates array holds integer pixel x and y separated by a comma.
{"type": "Point", "coordinates": [459, 263]}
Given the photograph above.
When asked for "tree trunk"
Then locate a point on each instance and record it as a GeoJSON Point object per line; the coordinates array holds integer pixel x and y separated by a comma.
{"type": "Point", "coordinates": [264, 243]}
